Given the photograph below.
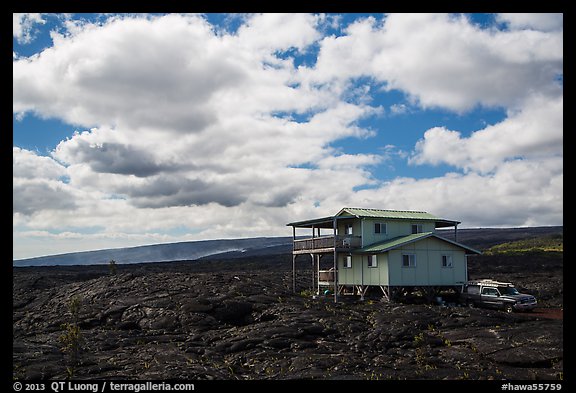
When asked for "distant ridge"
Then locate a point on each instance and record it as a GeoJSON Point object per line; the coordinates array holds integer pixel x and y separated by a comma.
{"type": "Point", "coordinates": [484, 238]}
{"type": "Point", "coordinates": [166, 252]}
{"type": "Point", "coordinates": [478, 238]}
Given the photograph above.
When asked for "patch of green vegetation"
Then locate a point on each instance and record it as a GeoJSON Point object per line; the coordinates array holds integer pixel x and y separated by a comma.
{"type": "Point", "coordinates": [71, 339]}
{"type": "Point", "coordinates": [552, 243]}
{"type": "Point", "coordinates": [306, 293]}
{"type": "Point", "coordinates": [112, 266]}
{"type": "Point", "coordinates": [18, 372]}
{"type": "Point", "coordinates": [419, 339]}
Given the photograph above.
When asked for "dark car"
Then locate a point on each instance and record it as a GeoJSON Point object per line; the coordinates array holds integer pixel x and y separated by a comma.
{"type": "Point", "coordinates": [495, 294]}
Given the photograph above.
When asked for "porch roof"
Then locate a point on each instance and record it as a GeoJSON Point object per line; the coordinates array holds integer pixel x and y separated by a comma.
{"type": "Point", "coordinates": [324, 222]}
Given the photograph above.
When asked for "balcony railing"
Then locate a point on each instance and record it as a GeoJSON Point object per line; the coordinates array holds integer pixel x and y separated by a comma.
{"type": "Point", "coordinates": [326, 243]}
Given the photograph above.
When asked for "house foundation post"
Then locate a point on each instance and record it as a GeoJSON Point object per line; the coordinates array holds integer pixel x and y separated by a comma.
{"type": "Point", "coordinates": [318, 274]}
{"type": "Point", "coordinates": [293, 260]}
{"type": "Point", "coordinates": [335, 227]}
{"type": "Point", "coordinates": [313, 268]}
{"type": "Point", "coordinates": [293, 273]}
{"type": "Point", "coordinates": [386, 291]}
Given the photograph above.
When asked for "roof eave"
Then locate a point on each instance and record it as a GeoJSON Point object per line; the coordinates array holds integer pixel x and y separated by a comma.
{"type": "Point", "coordinates": [473, 251]}
{"type": "Point", "coordinates": [446, 223]}
{"type": "Point", "coordinates": [424, 236]}
{"type": "Point", "coordinates": [323, 222]}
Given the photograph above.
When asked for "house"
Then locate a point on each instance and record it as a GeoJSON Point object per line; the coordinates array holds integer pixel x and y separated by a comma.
{"type": "Point", "coordinates": [394, 250]}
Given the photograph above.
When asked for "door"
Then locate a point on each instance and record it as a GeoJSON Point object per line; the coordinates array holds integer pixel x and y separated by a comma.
{"type": "Point", "coordinates": [491, 297]}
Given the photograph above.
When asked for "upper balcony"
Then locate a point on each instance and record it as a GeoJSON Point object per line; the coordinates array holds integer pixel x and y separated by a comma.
{"type": "Point", "coordinates": [325, 244]}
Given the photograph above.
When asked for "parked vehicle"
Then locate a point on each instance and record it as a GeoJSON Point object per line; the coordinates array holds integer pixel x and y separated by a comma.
{"type": "Point", "coordinates": [494, 294]}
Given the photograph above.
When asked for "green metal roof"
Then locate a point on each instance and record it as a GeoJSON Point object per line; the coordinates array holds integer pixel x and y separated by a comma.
{"type": "Point", "coordinates": [327, 222]}
{"type": "Point", "coordinates": [399, 241]}
{"type": "Point", "coordinates": [379, 213]}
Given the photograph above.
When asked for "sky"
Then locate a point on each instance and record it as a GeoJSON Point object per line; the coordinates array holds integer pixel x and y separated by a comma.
{"type": "Point", "coordinates": [133, 129]}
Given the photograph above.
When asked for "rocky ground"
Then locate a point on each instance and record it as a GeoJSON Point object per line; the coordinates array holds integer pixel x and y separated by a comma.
{"type": "Point", "coordinates": [240, 320]}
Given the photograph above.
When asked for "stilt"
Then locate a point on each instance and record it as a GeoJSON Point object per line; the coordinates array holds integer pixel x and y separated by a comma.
{"type": "Point", "coordinates": [318, 256]}
{"type": "Point", "coordinates": [293, 260]}
{"type": "Point", "coordinates": [362, 290]}
{"type": "Point", "coordinates": [293, 273]}
{"type": "Point", "coordinates": [313, 284]}
{"type": "Point", "coordinates": [386, 291]}
{"type": "Point", "coordinates": [335, 228]}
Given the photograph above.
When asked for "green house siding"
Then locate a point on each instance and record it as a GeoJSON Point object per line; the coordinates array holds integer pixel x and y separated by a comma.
{"type": "Point", "coordinates": [349, 275]}
{"type": "Point", "coordinates": [356, 227]}
{"type": "Point", "coordinates": [394, 228]}
{"type": "Point", "coordinates": [360, 273]}
{"type": "Point", "coordinates": [428, 269]}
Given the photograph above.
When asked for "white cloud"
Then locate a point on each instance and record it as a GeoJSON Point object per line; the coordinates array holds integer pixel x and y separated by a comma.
{"type": "Point", "coordinates": [23, 26]}
{"type": "Point", "coordinates": [520, 193]}
{"type": "Point", "coordinates": [37, 184]}
{"type": "Point", "coordinates": [218, 133]}
{"type": "Point", "coordinates": [129, 72]}
{"type": "Point", "coordinates": [533, 132]}
{"type": "Point", "coordinates": [443, 61]}
{"type": "Point", "coordinates": [279, 32]}
{"type": "Point", "coordinates": [184, 125]}
{"type": "Point", "coordinates": [544, 22]}
{"type": "Point", "coordinates": [398, 109]}
{"type": "Point", "coordinates": [27, 164]}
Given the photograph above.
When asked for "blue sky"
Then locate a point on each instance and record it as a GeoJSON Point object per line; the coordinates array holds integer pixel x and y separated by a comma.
{"type": "Point", "coordinates": [139, 129]}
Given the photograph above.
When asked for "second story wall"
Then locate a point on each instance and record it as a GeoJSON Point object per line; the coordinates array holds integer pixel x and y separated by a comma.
{"type": "Point", "coordinates": [390, 228]}
{"type": "Point", "coordinates": [356, 227]}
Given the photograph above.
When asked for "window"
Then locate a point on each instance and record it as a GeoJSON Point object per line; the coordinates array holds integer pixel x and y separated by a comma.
{"type": "Point", "coordinates": [380, 228]}
{"type": "Point", "coordinates": [348, 229]}
{"type": "Point", "coordinates": [508, 291]}
{"type": "Point", "coordinates": [372, 260]}
{"type": "Point", "coordinates": [473, 289]}
{"type": "Point", "coordinates": [348, 261]}
{"type": "Point", "coordinates": [408, 260]}
{"type": "Point", "coordinates": [490, 291]}
{"type": "Point", "coordinates": [416, 228]}
{"type": "Point", "coordinates": [446, 260]}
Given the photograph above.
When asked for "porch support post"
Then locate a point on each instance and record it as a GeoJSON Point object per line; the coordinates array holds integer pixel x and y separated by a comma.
{"type": "Point", "coordinates": [335, 227]}
{"type": "Point", "coordinates": [318, 274]}
{"type": "Point", "coordinates": [386, 291]}
{"type": "Point", "coordinates": [362, 274]}
{"type": "Point", "coordinates": [293, 260]}
{"type": "Point", "coordinates": [456, 232]}
{"type": "Point", "coordinates": [313, 285]}
{"type": "Point", "coordinates": [293, 273]}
